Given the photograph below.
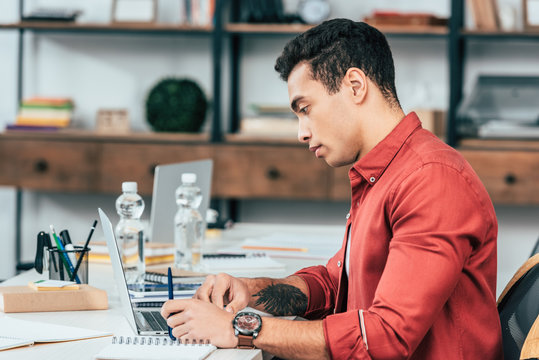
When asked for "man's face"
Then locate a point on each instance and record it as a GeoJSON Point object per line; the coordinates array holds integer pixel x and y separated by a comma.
{"type": "Point", "coordinates": [328, 123]}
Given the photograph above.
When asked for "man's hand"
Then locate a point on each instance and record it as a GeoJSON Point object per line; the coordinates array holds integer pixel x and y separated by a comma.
{"type": "Point", "coordinates": [223, 289]}
{"type": "Point", "coordinates": [196, 320]}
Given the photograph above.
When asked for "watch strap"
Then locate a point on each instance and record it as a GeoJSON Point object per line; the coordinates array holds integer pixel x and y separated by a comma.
{"type": "Point", "coordinates": [245, 342]}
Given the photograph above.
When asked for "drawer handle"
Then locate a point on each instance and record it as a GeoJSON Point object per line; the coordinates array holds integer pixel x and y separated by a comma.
{"type": "Point", "coordinates": [510, 179]}
{"type": "Point", "coordinates": [41, 166]}
{"type": "Point", "coordinates": [151, 169]}
{"type": "Point", "coordinates": [273, 174]}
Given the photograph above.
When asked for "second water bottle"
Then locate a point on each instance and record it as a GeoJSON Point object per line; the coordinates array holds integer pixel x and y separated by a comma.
{"type": "Point", "coordinates": [188, 224]}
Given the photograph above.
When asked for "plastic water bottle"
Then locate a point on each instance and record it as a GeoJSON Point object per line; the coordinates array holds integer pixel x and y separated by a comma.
{"type": "Point", "coordinates": [188, 224]}
{"type": "Point", "coordinates": [130, 234]}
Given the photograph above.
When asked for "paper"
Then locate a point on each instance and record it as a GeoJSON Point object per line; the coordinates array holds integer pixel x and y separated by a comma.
{"type": "Point", "coordinates": [51, 285]}
{"type": "Point", "coordinates": [39, 332]}
{"type": "Point", "coordinates": [250, 262]}
{"type": "Point", "coordinates": [284, 245]}
{"type": "Point", "coordinates": [10, 343]}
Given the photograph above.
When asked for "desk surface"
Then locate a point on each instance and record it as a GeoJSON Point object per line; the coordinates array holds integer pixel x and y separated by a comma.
{"type": "Point", "coordinates": [112, 320]}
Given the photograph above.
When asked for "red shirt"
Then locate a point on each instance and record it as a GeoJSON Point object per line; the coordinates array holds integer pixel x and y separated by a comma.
{"type": "Point", "coordinates": [422, 271]}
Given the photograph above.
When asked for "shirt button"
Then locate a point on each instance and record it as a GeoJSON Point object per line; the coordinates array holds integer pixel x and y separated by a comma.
{"type": "Point", "coordinates": [372, 179]}
{"type": "Point", "coordinates": [347, 216]}
{"type": "Point", "coordinates": [339, 263]}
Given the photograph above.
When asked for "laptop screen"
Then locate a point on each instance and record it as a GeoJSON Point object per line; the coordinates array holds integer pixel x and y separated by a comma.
{"type": "Point", "coordinates": [117, 269]}
{"type": "Point", "coordinates": [166, 180]}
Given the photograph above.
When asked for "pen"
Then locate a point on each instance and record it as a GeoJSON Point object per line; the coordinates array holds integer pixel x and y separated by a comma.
{"type": "Point", "coordinates": [84, 249]}
{"type": "Point", "coordinates": [170, 297]}
{"type": "Point", "coordinates": [274, 248]}
{"type": "Point", "coordinates": [63, 255]}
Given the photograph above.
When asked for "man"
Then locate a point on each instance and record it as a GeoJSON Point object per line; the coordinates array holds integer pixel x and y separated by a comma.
{"type": "Point", "coordinates": [416, 274]}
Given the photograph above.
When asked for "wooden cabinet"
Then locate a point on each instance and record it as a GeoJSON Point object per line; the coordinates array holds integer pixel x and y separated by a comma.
{"type": "Point", "coordinates": [49, 165]}
{"type": "Point", "coordinates": [508, 169]}
{"type": "Point", "coordinates": [86, 162]}
{"type": "Point", "coordinates": [243, 169]}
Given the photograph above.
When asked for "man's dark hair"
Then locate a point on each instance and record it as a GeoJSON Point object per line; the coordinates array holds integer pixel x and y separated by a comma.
{"type": "Point", "coordinates": [335, 46]}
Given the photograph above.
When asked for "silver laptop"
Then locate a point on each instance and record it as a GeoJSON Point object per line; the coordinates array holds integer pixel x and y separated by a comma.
{"type": "Point", "coordinates": [167, 178]}
{"type": "Point", "coordinates": [146, 321]}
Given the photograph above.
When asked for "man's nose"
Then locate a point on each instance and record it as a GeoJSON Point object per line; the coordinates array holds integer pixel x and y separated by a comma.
{"type": "Point", "coordinates": [304, 134]}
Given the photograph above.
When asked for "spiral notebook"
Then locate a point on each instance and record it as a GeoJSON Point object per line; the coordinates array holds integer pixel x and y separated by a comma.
{"type": "Point", "coordinates": [150, 348]}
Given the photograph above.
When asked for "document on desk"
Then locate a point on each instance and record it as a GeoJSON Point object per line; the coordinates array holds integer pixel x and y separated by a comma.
{"type": "Point", "coordinates": [298, 246]}
{"type": "Point", "coordinates": [15, 332]}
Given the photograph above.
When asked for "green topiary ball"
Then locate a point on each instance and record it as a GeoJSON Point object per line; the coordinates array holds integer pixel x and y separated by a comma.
{"type": "Point", "coordinates": [176, 105]}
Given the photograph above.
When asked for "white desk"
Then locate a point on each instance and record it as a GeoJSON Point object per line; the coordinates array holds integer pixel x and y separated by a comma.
{"type": "Point", "coordinates": [111, 320]}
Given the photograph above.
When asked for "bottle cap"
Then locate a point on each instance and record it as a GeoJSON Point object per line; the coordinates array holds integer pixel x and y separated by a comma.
{"type": "Point", "coordinates": [189, 178]}
{"type": "Point", "coordinates": [129, 186]}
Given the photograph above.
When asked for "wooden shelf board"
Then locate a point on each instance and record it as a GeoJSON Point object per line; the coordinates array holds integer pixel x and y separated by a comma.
{"type": "Point", "coordinates": [493, 144]}
{"type": "Point", "coordinates": [143, 136]}
{"type": "Point", "coordinates": [266, 28]}
{"type": "Point", "coordinates": [144, 27]}
{"type": "Point", "coordinates": [299, 28]}
{"type": "Point", "coordinates": [506, 34]}
{"type": "Point", "coordinates": [262, 139]}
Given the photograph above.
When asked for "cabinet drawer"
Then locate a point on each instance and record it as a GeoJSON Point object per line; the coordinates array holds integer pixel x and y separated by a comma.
{"type": "Point", "coordinates": [270, 172]}
{"type": "Point", "coordinates": [49, 165]}
{"type": "Point", "coordinates": [137, 162]}
{"type": "Point", "coordinates": [511, 177]}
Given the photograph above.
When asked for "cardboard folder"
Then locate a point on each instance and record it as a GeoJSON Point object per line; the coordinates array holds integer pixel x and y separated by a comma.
{"type": "Point", "coordinates": [15, 299]}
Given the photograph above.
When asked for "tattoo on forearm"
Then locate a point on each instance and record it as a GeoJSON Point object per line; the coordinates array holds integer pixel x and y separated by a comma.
{"type": "Point", "coordinates": [282, 300]}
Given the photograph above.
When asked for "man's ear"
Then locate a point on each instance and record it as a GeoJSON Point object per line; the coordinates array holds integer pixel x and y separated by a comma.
{"type": "Point", "coordinates": [356, 81]}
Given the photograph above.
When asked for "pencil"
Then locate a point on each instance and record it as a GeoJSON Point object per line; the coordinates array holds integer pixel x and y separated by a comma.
{"type": "Point", "coordinates": [274, 248]}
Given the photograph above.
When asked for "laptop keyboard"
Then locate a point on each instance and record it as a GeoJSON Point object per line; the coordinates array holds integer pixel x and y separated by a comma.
{"type": "Point", "coordinates": [152, 320]}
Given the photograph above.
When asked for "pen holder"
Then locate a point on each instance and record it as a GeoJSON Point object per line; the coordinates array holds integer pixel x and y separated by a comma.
{"type": "Point", "coordinates": [62, 264]}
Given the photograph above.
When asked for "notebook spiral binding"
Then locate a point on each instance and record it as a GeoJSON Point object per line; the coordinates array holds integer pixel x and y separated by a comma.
{"type": "Point", "coordinates": [156, 341]}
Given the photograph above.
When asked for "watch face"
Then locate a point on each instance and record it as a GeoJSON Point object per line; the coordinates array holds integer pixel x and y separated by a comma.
{"type": "Point", "coordinates": [248, 323]}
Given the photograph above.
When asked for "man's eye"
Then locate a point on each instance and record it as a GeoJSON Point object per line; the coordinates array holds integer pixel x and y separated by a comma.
{"type": "Point", "coordinates": [303, 110]}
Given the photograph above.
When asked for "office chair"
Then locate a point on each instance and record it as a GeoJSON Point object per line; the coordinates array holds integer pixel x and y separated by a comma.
{"type": "Point", "coordinates": [518, 306]}
{"type": "Point", "coordinates": [535, 249]}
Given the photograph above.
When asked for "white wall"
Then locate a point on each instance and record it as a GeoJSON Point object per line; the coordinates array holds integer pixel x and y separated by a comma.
{"type": "Point", "coordinates": [118, 70]}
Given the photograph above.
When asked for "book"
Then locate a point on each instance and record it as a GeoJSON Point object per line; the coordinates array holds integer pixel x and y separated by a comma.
{"type": "Point", "coordinates": [150, 348]}
{"type": "Point", "coordinates": [40, 111]}
{"type": "Point", "coordinates": [14, 299]}
{"type": "Point", "coordinates": [16, 332]}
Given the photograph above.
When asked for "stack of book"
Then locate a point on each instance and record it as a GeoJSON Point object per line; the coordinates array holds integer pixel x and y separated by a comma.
{"type": "Point", "coordinates": [154, 253]}
{"type": "Point", "coordinates": [44, 113]}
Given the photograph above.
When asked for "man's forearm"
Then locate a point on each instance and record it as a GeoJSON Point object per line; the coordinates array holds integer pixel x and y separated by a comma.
{"type": "Point", "coordinates": [292, 339]}
{"type": "Point", "coordinates": [281, 297]}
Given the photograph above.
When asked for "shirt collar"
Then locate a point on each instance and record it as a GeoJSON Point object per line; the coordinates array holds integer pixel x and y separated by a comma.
{"type": "Point", "coordinates": [374, 163]}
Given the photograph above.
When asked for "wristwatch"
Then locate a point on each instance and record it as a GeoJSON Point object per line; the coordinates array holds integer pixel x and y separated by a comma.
{"type": "Point", "coordinates": [246, 325]}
